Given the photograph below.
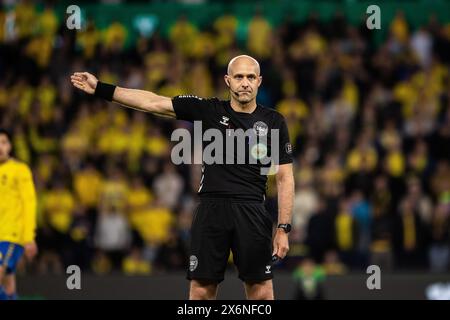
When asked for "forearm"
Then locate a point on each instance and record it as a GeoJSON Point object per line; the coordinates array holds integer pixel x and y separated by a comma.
{"type": "Point", "coordinates": [285, 188]}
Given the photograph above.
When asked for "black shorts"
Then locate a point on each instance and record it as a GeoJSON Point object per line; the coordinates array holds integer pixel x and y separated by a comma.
{"type": "Point", "coordinates": [221, 225]}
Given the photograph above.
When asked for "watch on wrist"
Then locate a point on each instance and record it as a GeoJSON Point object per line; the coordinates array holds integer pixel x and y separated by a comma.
{"type": "Point", "coordinates": [285, 226]}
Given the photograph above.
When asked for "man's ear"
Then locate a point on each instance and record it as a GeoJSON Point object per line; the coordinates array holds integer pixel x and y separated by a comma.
{"type": "Point", "coordinates": [260, 81]}
{"type": "Point", "coordinates": [227, 80]}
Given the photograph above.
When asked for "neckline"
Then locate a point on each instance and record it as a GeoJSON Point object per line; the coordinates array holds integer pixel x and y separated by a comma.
{"type": "Point", "coordinates": [242, 114]}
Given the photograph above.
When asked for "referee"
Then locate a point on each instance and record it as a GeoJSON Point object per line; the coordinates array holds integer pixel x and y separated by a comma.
{"type": "Point", "coordinates": [231, 213]}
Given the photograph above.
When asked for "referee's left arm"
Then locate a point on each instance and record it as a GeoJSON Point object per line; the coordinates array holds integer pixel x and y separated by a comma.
{"type": "Point", "coordinates": [285, 188]}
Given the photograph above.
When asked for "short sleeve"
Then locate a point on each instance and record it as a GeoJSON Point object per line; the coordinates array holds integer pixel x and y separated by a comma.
{"type": "Point", "coordinates": [191, 108]}
{"type": "Point", "coordinates": [285, 146]}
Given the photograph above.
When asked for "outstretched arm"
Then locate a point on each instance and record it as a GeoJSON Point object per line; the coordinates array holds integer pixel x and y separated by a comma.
{"type": "Point", "coordinates": [132, 98]}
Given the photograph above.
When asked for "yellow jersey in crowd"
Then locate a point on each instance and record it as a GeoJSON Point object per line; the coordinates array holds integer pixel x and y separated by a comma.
{"type": "Point", "coordinates": [17, 203]}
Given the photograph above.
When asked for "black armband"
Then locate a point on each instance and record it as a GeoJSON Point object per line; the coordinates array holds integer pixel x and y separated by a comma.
{"type": "Point", "coordinates": [105, 91]}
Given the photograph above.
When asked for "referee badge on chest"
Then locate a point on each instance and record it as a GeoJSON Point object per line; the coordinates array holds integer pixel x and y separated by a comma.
{"type": "Point", "coordinates": [260, 128]}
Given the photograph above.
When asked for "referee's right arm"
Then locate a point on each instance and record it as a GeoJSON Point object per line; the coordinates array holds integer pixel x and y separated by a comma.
{"type": "Point", "coordinates": [133, 98]}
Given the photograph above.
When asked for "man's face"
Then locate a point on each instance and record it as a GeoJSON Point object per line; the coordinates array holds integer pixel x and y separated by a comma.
{"type": "Point", "coordinates": [5, 147]}
{"type": "Point", "coordinates": [243, 80]}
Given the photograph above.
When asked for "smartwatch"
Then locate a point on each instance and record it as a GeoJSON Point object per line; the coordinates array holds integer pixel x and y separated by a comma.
{"type": "Point", "coordinates": [285, 226]}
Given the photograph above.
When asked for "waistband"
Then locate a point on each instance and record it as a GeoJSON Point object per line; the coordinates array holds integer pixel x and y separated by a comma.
{"type": "Point", "coordinates": [225, 198]}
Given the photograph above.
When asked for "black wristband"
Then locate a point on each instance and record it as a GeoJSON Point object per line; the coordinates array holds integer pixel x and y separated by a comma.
{"type": "Point", "coordinates": [105, 91]}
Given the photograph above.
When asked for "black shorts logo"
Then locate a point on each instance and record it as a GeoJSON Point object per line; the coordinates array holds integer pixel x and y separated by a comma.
{"type": "Point", "coordinates": [193, 263]}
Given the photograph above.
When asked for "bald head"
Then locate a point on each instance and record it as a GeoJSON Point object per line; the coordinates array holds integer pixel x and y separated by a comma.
{"type": "Point", "coordinates": [243, 60]}
{"type": "Point", "coordinates": [243, 78]}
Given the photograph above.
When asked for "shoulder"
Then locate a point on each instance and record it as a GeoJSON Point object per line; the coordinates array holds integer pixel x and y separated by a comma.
{"type": "Point", "coordinates": [271, 114]}
{"type": "Point", "coordinates": [193, 100]}
{"type": "Point", "coordinates": [215, 101]}
{"type": "Point", "coordinates": [20, 166]}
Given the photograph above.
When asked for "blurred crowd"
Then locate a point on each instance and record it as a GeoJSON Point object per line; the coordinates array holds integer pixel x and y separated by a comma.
{"type": "Point", "coordinates": [370, 125]}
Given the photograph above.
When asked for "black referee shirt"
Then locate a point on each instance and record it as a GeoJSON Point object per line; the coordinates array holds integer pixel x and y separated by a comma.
{"type": "Point", "coordinates": [239, 181]}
